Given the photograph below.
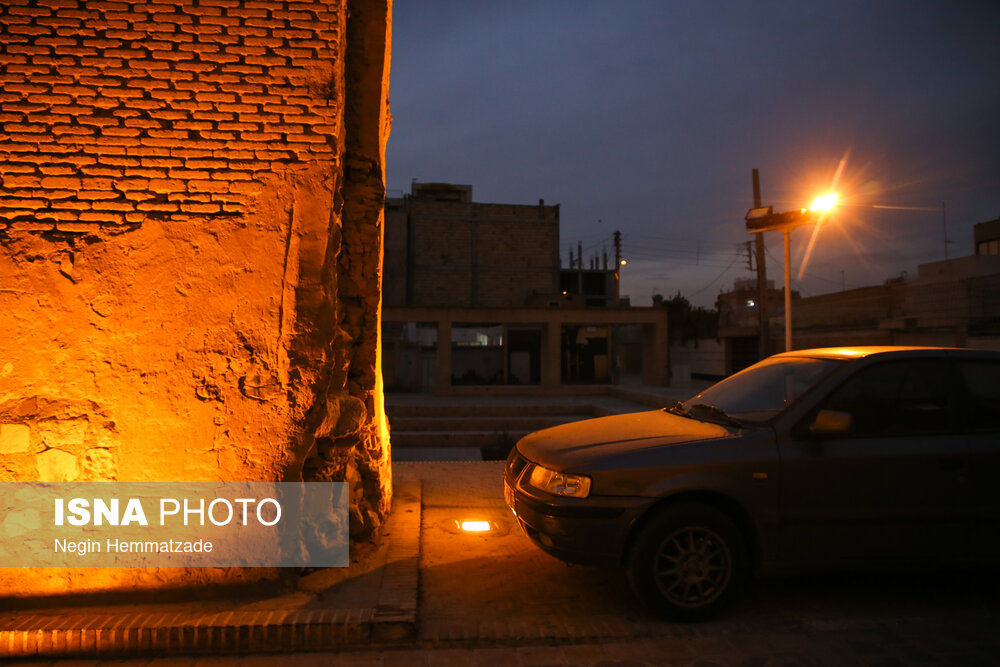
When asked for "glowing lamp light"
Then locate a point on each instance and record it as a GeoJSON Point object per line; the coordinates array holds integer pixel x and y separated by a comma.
{"type": "Point", "coordinates": [475, 526]}
{"type": "Point", "coordinates": [623, 262]}
{"type": "Point", "coordinates": [824, 203]}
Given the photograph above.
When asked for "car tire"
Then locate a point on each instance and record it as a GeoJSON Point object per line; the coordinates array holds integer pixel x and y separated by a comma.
{"type": "Point", "coordinates": [687, 562]}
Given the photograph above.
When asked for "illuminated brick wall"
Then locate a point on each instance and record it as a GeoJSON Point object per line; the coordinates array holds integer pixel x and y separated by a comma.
{"type": "Point", "coordinates": [190, 250]}
{"type": "Point", "coordinates": [115, 112]}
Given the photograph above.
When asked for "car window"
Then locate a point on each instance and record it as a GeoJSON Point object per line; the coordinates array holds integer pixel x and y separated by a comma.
{"type": "Point", "coordinates": [897, 398]}
{"type": "Point", "coordinates": [761, 391]}
{"type": "Point", "coordinates": [980, 411]}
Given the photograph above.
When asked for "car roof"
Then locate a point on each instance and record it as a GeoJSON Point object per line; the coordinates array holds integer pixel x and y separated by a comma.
{"type": "Point", "coordinates": [861, 351]}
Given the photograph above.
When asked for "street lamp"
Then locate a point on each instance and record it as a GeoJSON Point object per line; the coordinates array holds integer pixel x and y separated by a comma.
{"type": "Point", "coordinates": [763, 219]}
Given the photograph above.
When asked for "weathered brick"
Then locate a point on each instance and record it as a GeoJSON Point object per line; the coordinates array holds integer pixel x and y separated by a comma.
{"type": "Point", "coordinates": [205, 163]}
{"type": "Point", "coordinates": [171, 94]}
{"type": "Point", "coordinates": [97, 170]}
{"type": "Point", "coordinates": [121, 132]}
{"type": "Point", "coordinates": [294, 34]}
{"type": "Point", "coordinates": [102, 216]}
{"type": "Point", "coordinates": [230, 175]}
{"type": "Point", "coordinates": [149, 63]}
{"type": "Point", "coordinates": [96, 194]}
{"type": "Point", "coordinates": [28, 69]}
{"type": "Point", "coordinates": [98, 80]}
{"type": "Point", "coordinates": [208, 186]}
{"type": "Point", "coordinates": [195, 66]}
{"type": "Point", "coordinates": [188, 196]}
{"type": "Point", "coordinates": [159, 161]}
{"type": "Point", "coordinates": [71, 205]}
{"type": "Point", "coordinates": [167, 185]}
{"type": "Point", "coordinates": [200, 47]}
{"type": "Point", "coordinates": [212, 115]}
{"type": "Point", "coordinates": [242, 68]}
{"type": "Point", "coordinates": [61, 182]}
{"type": "Point", "coordinates": [21, 181]}
{"type": "Point", "coordinates": [121, 161]}
{"type": "Point", "coordinates": [60, 130]}
{"type": "Point", "coordinates": [148, 84]}
{"type": "Point", "coordinates": [124, 33]}
{"type": "Point", "coordinates": [78, 227]}
{"type": "Point", "coordinates": [22, 29]}
{"type": "Point", "coordinates": [25, 88]}
{"type": "Point", "coordinates": [218, 136]}
{"type": "Point", "coordinates": [139, 195]}
{"type": "Point", "coordinates": [16, 168]}
{"type": "Point", "coordinates": [29, 11]}
{"type": "Point", "coordinates": [59, 194]}
{"type": "Point", "coordinates": [238, 108]}
{"type": "Point", "coordinates": [194, 207]}
{"type": "Point", "coordinates": [29, 204]}
{"type": "Point", "coordinates": [171, 18]}
{"type": "Point", "coordinates": [141, 122]}
{"type": "Point", "coordinates": [189, 152]}
{"type": "Point", "coordinates": [31, 226]}
{"type": "Point", "coordinates": [116, 205]}
{"type": "Point", "coordinates": [166, 207]}
{"type": "Point", "coordinates": [172, 55]}
{"type": "Point", "coordinates": [246, 187]}
{"type": "Point", "coordinates": [125, 184]}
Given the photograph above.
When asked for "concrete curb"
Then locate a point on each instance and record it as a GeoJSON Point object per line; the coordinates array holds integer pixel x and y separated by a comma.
{"type": "Point", "coordinates": [393, 620]}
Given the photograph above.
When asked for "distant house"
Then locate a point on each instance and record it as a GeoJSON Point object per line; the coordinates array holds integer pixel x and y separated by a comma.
{"type": "Point", "coordinates": [487, 278]}
{"type": "Point", "coordinates": [954, 303]}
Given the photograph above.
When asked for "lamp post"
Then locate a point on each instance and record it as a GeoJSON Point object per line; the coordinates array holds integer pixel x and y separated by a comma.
{"type": "Point", "coordinates": [763, 219]}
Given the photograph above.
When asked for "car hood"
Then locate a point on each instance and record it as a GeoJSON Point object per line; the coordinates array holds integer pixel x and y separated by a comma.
{"type": "Point", "coordinates": [569, 444]}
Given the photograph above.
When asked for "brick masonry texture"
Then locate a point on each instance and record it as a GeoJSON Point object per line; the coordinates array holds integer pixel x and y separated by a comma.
{"type": "Point", "coordinates": [112, 113]}
{"type": "Point", "coordinates": [190, 252]}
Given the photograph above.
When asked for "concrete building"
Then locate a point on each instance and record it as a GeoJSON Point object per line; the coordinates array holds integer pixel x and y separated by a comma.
{"type": "Point", "coordinates": [486, 278]}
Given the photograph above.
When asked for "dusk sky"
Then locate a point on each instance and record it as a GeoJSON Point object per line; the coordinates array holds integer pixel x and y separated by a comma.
{"type": "Point", "coordinates": [648, 117]}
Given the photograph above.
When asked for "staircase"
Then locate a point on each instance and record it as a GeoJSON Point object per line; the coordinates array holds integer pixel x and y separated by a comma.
{"type": "Point", "coordinates": [492, 429]}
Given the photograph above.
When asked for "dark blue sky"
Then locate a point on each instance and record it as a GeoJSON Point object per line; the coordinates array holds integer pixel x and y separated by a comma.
{"type": "Point", "coordinates": [648, 117]}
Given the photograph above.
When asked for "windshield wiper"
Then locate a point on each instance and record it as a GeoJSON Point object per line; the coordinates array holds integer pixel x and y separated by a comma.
{"type": "Point", "coordinates": [678, 409]}
{"type": "Point", "coordinates": [716, 412]}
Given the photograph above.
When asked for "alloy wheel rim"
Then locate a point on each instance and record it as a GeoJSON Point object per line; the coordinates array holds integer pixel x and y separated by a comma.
{"type": "Point", "coordinates": [692, 566]}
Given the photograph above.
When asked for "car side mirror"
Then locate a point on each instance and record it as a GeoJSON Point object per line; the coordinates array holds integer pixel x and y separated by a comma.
{"type": "Point", "coordinates": [831, 422]}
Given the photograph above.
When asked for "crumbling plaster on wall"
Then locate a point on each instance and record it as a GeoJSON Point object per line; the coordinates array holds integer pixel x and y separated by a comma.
{"type": "Point", "coordinates": [186, 347]}
{"type": "Point", "coordinates": [204, 347]}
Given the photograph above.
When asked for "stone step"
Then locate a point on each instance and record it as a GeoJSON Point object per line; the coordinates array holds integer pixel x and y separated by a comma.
{"type": "Point", "coordinates": [471, 410]}
{"type": "Point", "coordinates": [478, 423]}
{"type": "Point", "coordinates": [493, 445]}
{"type": "Point", "coordinates": [405, 439]}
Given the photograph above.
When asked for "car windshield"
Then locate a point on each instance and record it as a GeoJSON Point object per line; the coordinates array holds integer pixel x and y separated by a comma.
{"type": "Point", "coordinates": [758, 393]}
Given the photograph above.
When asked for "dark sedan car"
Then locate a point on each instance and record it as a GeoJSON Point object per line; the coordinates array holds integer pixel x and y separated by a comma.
{"type": "Point", "coordinates": [840, 458]}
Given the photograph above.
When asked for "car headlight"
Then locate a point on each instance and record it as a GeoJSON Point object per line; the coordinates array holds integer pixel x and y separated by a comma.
{"type": "Point", "coordinates": [558, 483]}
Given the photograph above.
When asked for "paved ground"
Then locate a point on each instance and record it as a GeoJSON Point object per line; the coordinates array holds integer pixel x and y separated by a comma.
{"type": "Point", "coordinates": [498, 600]}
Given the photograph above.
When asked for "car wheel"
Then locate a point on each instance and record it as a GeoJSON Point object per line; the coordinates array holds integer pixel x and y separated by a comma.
{"type": "Point", "coordinates": [687, 562]}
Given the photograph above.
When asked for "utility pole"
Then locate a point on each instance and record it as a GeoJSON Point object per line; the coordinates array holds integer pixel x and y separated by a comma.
{"type": "Point", "coordinates": [763, 337]}
{"type": "Point", "coordinates": [618, 266]}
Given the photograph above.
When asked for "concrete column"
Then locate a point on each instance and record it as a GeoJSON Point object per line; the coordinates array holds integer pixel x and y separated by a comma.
{"type": "Point", "coordinates": [551, 358]}
{"type": "Point", "coordinates": [654, 354]}
{"type": "Point", "coordinates": [442, 379]}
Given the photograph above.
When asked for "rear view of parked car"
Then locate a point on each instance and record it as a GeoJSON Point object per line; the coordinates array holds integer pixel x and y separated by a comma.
{"type": "Point", "coordinates": [827, 459]}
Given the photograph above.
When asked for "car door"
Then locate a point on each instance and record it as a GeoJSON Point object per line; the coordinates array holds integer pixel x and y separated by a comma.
{"type": "Point", "coordinates": [979, 415]}
{"type": "Point", "coordinates": [891, 485]}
